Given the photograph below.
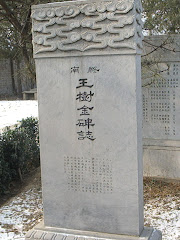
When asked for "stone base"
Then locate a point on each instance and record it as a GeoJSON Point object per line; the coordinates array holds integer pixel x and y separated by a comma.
{"type": "Point", "coordinates": [48, 233]}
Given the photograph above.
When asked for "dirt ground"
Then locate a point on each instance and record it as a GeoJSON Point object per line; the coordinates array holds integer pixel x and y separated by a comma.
{"type": "Point", "coordinates": [22, 208]}
{"type": "Point", "coordinates": [30, 181]}
{"type": "Point", "coordinates": [153, 188]}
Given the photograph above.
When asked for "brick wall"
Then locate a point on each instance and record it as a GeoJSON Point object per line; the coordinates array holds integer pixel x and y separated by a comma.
{"type": "Point", "coordinates": [10, 73]}
{"type": "Point", "coordinates": [5, 78]}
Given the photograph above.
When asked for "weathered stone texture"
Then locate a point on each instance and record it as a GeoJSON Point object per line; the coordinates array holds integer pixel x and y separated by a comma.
{"type": "Point", "coordinates": [88, 68]}
{"type": "Point", "coordinates": [161, 107]}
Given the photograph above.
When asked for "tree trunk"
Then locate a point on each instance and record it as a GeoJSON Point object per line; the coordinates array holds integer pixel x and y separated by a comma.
{"type": "Point", "coordinates": [20, 175]}
{"type": "Point", "coordinates": [12, 77]}
{"type": "Point", "coordinates": [19, 80]}
{"type": "Point", "coordinates": [29, 67]}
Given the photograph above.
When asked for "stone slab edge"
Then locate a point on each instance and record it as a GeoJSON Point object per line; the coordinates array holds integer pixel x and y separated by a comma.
{"type": "Point", "coordinates": [48, 233]}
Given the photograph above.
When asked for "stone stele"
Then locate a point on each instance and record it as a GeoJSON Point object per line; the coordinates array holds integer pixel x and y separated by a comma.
{"type": "Point", "coordinates": [88, 65]}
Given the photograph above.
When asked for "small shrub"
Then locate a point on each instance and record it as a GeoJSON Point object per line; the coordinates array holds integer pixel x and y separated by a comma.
{"type": "Point", "coordinates": [5, 172]}
{"type": "Point", "coordinates": [19, 152]}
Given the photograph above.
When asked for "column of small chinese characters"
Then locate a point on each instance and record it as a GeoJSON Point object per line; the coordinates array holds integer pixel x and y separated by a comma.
{"type": "Point", "coordinates": [85, 122]}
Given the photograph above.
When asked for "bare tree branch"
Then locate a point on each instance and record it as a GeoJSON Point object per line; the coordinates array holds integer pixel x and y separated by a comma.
{"type": "Point", "coordinates": [10, 15]}
{"type": "Point", "coordinates": [157, 47]}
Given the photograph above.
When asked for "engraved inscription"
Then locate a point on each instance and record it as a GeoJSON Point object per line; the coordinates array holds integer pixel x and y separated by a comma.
{"type": "Point", "coordinates": [92, 175]}
{"type": "Point", "coordinates": [161, 105]}
{"type": "Point", "coordinates": [145, 108]}
{"type": "Point", "coordinates": [84, 96]}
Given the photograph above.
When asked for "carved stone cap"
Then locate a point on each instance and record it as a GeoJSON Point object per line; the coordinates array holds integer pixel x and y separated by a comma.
{"type": "Point", "coordinates": [79, 28]}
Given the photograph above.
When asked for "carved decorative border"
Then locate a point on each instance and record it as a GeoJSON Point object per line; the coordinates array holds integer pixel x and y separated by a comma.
{"type": "Point", "coordinates": [87, 28]}
{"type": "Point", "coordinates": [147, 234]}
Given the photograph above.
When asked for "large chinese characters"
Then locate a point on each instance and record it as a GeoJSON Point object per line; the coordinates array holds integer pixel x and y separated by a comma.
{"type": "Point", "coordinates": [84, 97]}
